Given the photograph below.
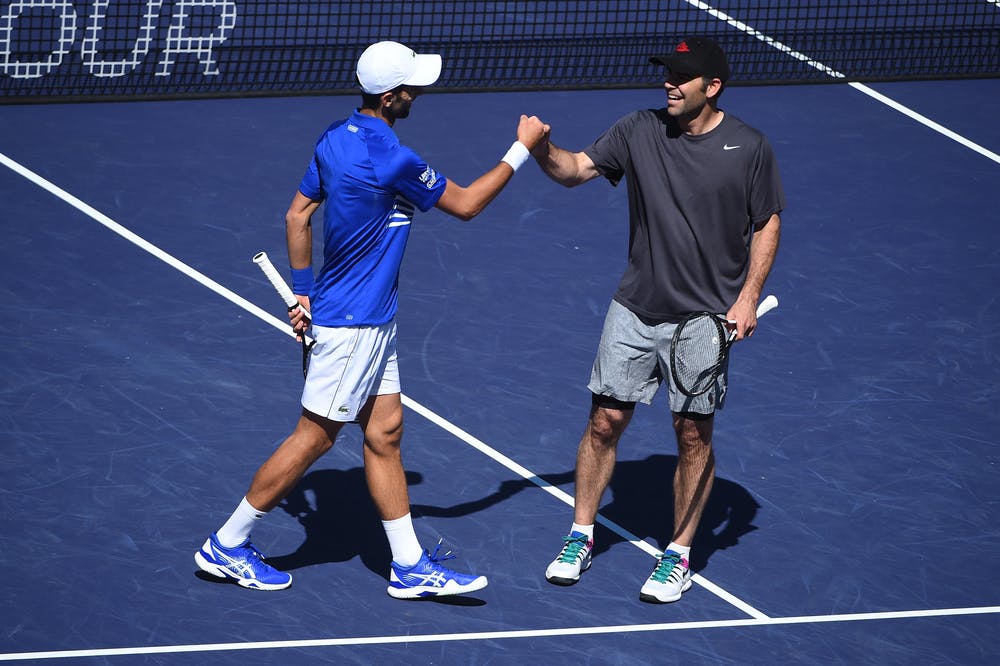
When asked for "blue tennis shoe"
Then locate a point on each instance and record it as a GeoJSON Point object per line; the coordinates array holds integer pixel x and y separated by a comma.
{"type": "Point", "coordinates": [428, 578]}
{"type": "Point", "coordinates": [242, 563]}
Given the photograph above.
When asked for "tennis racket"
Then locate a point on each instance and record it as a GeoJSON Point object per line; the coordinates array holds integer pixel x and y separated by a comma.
{"type": "Point", "coordinates": [700, 346]}
{"type": "Point", "coordinates": [288, 297]}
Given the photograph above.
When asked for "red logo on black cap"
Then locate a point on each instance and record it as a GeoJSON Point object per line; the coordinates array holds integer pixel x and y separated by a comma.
{"type": "Point", "coordinates": [683, 48]}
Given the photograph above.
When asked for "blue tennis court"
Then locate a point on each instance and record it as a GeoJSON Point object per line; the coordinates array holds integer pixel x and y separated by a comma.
{"type": "Point", "coordinates": [148, 368]}
{"type": "Point", "coordinates": [854, 516]}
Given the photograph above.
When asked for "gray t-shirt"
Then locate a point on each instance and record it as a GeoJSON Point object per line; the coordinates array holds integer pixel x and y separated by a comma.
{"type": "Point", "coordinates": [693, 202]}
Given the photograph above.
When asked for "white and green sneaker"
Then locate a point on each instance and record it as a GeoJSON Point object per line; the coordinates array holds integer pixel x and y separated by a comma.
{"type": "Point", "coordinates": [670, 579]}
{"type": "Point", "coordinates": [572, 561]}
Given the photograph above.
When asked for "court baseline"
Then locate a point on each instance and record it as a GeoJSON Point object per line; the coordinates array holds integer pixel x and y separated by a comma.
{"type": "Point", "coordinates": [497, 635]}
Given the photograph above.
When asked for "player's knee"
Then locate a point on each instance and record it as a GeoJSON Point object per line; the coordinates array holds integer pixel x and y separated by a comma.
{"type": "Point", "coordinates": [314, 434]}
{"type": "Point", "coordinates": [384, 441]}
{"type": "Point", "coordinates": [608, 421]}
{"type": "Point", "coordinates": [694, 431]}
{"type": "Point", "coordinates": [693, 422]}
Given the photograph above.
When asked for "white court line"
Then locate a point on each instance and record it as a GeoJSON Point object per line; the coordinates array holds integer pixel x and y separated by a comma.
{"type": "Point", "coordinates": [412, 404]}
{"type": "Point", "coordinates": [141, 242]}
{"type": "Point", "coordinates": [926, 121]}
{"type": "Point", "coordinates": [773, 43]}
{"type": "Point", "coordinates": [496, 635]}
{"type": "Point", "coordinates": [484, 448]}
{"type": "Point", "coordinates": [770, 41]}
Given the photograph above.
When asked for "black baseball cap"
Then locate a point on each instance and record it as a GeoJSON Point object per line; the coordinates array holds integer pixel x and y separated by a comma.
{"type": "Point", "coordinates": [699, 56]}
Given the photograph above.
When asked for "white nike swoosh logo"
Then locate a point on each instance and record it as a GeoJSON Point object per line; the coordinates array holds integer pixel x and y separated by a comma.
{"type": "Point", "coordinates": [728, 147]}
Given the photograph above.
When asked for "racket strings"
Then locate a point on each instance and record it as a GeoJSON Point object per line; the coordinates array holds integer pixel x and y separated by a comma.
{"type": "Point", "coordinates": [698, 353]}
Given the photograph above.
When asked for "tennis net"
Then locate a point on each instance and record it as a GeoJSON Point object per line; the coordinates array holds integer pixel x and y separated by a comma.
{"type": "Point", "coordinates": [58, 50]}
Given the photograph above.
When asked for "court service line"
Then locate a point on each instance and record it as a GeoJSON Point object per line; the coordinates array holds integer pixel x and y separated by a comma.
{"type": "Point", "coordinates": [787, 50]}
{"type": "Point", "coordinates": [479, 445]}
{"type": "Point", "coordinates": [497, 635]}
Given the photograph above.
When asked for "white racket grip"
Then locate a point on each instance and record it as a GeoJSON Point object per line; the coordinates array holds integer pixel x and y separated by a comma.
{"type": "Point", "coordinates": [766, 305]}
{"type": "Point", "coordinates": [279, 285]}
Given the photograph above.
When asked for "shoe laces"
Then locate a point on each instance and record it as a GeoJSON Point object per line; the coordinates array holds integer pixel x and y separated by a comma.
{"type": "Point", "coordinates": [573, 550]}
{"type": "Point", "coordinates": [435, 558]}
{"type": "Point", "coordinates": [668, 568]}
{"type": "Point", "coordinates": [254, 558]}
{"type": "Point", "coordinates": [254, 555]}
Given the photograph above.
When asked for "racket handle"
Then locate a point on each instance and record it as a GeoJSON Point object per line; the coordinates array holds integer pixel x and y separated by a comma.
{"type": "Point", "coordinates": [279, 285]}
{"type": "Point", "coordinates": [767, 305]}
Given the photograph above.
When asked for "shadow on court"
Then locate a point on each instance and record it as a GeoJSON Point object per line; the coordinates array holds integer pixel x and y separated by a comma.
{"type": "Point", "coordinates": [340, 521]}
{"type": "Point", "coordinates": [641, 500]}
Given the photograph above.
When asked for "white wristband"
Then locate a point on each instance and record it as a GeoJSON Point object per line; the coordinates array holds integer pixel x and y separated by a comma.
{"type": "Point", "coordinates": [516, 156]}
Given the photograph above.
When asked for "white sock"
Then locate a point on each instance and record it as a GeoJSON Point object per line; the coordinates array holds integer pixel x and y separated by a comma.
{"type": "Point", "coordinates": [685, 551]}
{"type": "Point", "coordinates": [237, 528]}
{"type": "Point", "coordinates": [583, 529]}
{"type": "Point", "coordinates": [403, 543]}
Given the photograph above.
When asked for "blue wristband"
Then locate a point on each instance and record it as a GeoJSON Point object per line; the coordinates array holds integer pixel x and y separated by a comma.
{"type": "Point", "coordinates": [302, 281]}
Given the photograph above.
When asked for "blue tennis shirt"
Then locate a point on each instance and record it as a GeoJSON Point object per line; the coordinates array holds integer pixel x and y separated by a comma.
{"type": "Point", "coordinates": [370, 184]}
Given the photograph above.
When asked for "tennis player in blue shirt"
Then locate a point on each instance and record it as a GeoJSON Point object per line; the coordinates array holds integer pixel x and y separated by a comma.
{"type": "Point", "coordinates": [371, 186]}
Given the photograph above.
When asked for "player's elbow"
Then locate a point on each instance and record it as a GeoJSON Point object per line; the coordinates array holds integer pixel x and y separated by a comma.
{"type": "Point", "coordinates": [296, 220]}
{"type": "Point", "coordinates": [571, 177]}
{"type": "Point", "coordinates": [463, 213]}
{"type": "Point", "coordinates": [569, 181]}
{"type": "Point", "coordinates": [466, 214]}
{"type": "Point", "coordinates": [300, 212]}
{"type": "Point", "coordinates": [460, 202]}
{"type": "Point", "coordinates": [571, 169]}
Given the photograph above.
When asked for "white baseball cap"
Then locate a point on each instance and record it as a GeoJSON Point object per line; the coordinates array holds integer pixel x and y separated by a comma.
{"type": "Point", "coordinates": [385, 66]}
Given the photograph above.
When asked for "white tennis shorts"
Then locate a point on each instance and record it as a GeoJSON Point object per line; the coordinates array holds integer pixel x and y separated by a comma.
{"type": "Point", "coordinates": [347, 366]}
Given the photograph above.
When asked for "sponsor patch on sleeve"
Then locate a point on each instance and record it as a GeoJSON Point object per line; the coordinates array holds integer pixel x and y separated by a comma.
{"type": "Point", "coordinates": [429, 177]}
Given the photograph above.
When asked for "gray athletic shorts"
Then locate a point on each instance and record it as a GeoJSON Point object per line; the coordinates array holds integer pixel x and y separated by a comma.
{"type": "Point", "coordinates": [634, 358]}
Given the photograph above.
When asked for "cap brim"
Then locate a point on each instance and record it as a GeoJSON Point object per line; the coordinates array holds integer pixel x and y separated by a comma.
{"type": "Point", "coordinates": [670, 62]}
{"type": "Point", "coordinates": [427, 71]}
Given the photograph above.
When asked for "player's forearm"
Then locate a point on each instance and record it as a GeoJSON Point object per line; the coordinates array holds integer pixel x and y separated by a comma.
{"type": "Point", "coordinates": [485, 189]}
{"type": "Point", "coordinates": [763, 250]}
{"type": "Point", "coordinates": [566, 168]}
{"type": "Point", "coordinates": [467, 202]}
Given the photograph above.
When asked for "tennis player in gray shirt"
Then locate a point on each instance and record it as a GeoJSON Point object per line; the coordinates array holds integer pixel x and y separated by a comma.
{"type": "Point", "coordinates": [704, 197]}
